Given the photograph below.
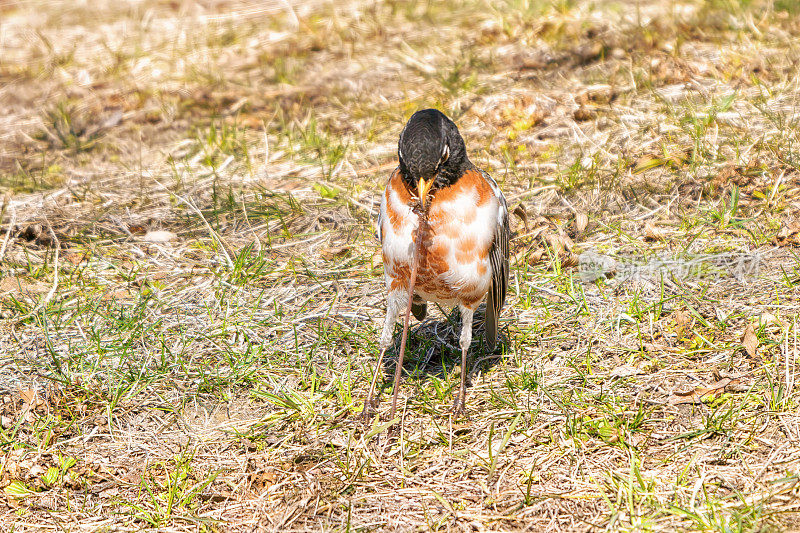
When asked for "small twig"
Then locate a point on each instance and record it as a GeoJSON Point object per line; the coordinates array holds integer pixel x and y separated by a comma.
{"type": "Point", "coordinates": [775, 186]}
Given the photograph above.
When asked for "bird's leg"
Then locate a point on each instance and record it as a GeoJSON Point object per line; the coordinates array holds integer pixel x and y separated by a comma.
{"type": "Point", "coordinates": [465, 341]}
{"type": "Point", "coordinates": [393, 303]}
{"type": "Point", "coordinates": [371, 403]}
{"type": "Point", "coordinates": [398, 371]}
{"type": "Point", "coordinates": [415, 258]}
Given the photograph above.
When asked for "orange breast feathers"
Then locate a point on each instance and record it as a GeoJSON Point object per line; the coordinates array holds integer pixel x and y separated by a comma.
{"type": "Point", "coordinates": [454, 265]}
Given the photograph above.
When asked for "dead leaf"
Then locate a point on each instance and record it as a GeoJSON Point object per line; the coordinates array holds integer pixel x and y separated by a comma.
{"type": "Point", "coordinates": [75, 258]}
{"type": "Point", "coordinates": [330, 253]}
{"type": "Point", "coordinates": [624, 371]}
{"type": "Point", "coordinates": [559, 243]}
{"type": "Point", "coordinates": [600, 93]}
{"type": "Point", "coordinates": [117, 296]}
{"type": "Point", "coordinates": [647, 162]}
{"type": "Point", "coordinates": [536, 257]}
{"type": "Point", "coordinates": [683, 321]}
{"type": "Point", "coordinates": [109, 493]}
{"type": "Point", "coordinates": [159, 236]}
{"type": "Point", "coordinates": [724, 177]}
{"type": "Point", "coordinates": [652, 232]}
{"type": "Point", "coordinates": [788, 235]}
{"type": "Point", "coordinates": [583, 114]}
{"type": "Point", "coordinates": [581, 222]}
{"type": "Point", "coordinates": [27, 395]}
{"type": "Point", "coordinates": [522, 214]}
{"type": "Point", "coordinates": [750, 341]}
{"type": "Point", "coordinates": [700, 393]}
{"type": "Point", "coordinates": [768, 319]}
{"type": "Point", "coordinates": [263, 479]}
{"type": "Point", "coordinates": [32, 232]}
{"type": "Point", "coordinates": [137, 229]}
{"type": "Point", "coordinates": [569, 260]}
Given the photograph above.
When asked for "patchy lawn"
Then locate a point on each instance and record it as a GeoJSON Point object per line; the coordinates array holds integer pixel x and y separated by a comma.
{"type": "Point", "coordinates": [191, 291]}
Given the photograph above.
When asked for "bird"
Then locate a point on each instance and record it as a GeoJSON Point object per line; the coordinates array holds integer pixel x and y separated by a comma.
{"type": "Point", "coordinates": [439, 205]}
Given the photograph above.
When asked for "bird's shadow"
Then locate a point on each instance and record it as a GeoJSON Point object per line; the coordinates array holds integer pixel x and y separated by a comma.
{"type": "Point", "coordinates": [433, 350]}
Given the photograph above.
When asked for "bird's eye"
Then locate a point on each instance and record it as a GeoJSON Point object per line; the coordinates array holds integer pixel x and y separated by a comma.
{"type": "Point", "coordinates": [445, 154]}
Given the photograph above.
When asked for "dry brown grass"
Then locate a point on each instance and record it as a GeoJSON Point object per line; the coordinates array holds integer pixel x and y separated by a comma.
{"type": "Point", "coordinates": [210, 378]}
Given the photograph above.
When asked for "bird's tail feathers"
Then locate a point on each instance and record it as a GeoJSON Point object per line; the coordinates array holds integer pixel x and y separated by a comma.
{"type": "Point", "coordinates": [491, 321]}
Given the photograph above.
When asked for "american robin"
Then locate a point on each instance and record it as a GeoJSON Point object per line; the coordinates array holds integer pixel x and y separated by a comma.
{"type": "Point", "coordinates": [453, 215]}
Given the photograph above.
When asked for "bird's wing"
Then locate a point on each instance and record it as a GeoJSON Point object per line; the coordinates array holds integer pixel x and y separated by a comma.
{"type": "Point", "coordinates": [379, 220]}
{"type": "Point", "coordinates": [498, 257]}
{"type": "Point", "coordinates": [382, 210]}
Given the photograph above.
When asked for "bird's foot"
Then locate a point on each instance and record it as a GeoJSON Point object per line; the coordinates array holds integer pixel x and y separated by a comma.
{"type": "Point", "coordinates": [458, 405]}
{"type": "Point", "coordinates": [370, 409]}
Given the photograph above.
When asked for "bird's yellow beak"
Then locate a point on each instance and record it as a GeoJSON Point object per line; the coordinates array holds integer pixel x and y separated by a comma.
{"type": "Point", "coordinates": [422, 189]}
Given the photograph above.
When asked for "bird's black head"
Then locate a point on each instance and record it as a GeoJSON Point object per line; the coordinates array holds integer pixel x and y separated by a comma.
{"type": "Point", "coordinates": [431, 151]}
